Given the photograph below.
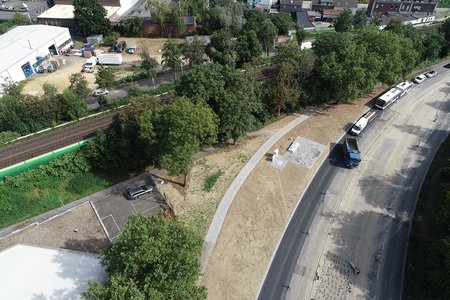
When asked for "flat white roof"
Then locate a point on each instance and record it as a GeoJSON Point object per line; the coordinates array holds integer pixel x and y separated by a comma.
{"type": "Point", "coordinates": [61, 11]}
{"type": "Point", "coordinates": [390, 94]}
{"type": "Point", "coordinates": [19, 42]}
{"type": "Point", "coordinates": [28, 272]}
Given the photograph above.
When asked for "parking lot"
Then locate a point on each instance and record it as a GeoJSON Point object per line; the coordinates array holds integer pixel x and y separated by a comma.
{"type": "Point", "coordinates": [113, 207]}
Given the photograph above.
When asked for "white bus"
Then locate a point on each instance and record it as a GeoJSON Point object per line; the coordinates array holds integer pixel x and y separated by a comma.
{"type": "Point", "coordinates": [404, 86]}
{"type": "Point", "coordinates": [388, 98]}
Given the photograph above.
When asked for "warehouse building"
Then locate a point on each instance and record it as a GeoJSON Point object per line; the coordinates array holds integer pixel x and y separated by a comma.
{"type": "Point", "coordinates": [24, 48]}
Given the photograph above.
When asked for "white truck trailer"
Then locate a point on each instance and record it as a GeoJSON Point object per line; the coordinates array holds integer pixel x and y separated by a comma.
{"type": "Point", "coordinates": [110, 59]}
{"type": "Point", "coordinates": [359, 126]}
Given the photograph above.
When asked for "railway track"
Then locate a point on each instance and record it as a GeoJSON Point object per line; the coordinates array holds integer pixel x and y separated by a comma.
{"type": "Point", "coordinates": [73, 133]}
{"type": "Point", "coordinates": [55, 139]}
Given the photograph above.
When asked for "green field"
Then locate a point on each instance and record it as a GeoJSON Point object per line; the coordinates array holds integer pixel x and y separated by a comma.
{"type": "Point", "coordinates": [63, 180]}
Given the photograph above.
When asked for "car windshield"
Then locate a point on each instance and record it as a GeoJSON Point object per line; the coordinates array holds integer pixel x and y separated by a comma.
{"type": "Point", "coordinates": [381, 103]}
{"type": "Point", "coordinates": [356, 128]}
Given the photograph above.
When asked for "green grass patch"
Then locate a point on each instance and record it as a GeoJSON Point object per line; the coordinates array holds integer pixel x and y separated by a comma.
{"type": "Point", "coordinates": [211, 181]}
{"type": "Point", "coordinates": [8, 136]}
{"type": "Point", "coordinates": [444, 4]}
{"type": "Point", "coordinates": [47, 187]}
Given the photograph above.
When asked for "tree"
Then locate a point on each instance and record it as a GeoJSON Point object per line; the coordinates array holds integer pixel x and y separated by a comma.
{"type": "Point", "coordinates": [222, 48]}
{"type": "Point", "coordinates": [90, 16]}
{"type": "Point", "coordinates": [283, 89]}
{"type": "Point", "coordinates": [445, 29]}
{"type": "Point", "coordinates": [71, 106]}
{"type": "Point", "coordinates": [247, 47]}
{"type": "Point", "coordinates": [171, 56]}
{"type": "Point", "coordinates": [282, 21]}
{"type": "Point", "coordinates": [335, 42]}
{"type": "Point", "coordinates": [234, 96]}
{"type": "Point", "coordinates": [395, 53]}
{"type": "Point", "coordinates": [360, 19]}
{"type": "Point", "coordinates": [178, 130]}
{"type": "Point", "coordinates": [194, 51]}
{"type": "Point", "coordinates": [21, 19]}
{"type": "Point", "coordinates": [433, 43]}
{"type": "Point", "coordinates": [79, 85]}
{"type": "Point", "coordinates": [154, 258]}
{"type": "Point", "coordinates": [344, 21]}
{"type": "Point", "coordinates": [267, 35]}
{"type": "Point", "coordinates": [105, 77]}
{"type": "Point", "coordinates": [149, 64]}
{"type": "Point", "coordinates": [231, 15]}
{"type": "Point", "coordinates": [131, 26]}
{"type": "Point", "coordinates": [253, 19]}
{"type": "Point", "coordinates": [346, 75]}
{"type": "Point", "coordinates": [111, 39]}
{"type": "Point", "coordinates": [120, 145]}
{"type": "Point", "coordinates": [300, 34]}
{"type": "Point", "coordinates": [159, 10]}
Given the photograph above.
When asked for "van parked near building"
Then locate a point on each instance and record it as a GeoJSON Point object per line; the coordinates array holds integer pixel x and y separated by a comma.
{"type": "Point", "coordinates": [121, 46]}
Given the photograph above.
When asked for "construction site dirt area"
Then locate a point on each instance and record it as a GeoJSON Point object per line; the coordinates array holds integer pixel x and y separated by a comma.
{"type": "Point", "coordinates": [256, 219]}
{"type": "Point", "coordinates": [74, 64]}
{"type": "Point", "coordinates": [77, 229]}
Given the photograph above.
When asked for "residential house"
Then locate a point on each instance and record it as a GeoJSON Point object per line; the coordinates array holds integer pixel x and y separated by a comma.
{"type": "Point", "coordinates": [261, 4]}
{"type": "Point", "coordinates": [291, 5]}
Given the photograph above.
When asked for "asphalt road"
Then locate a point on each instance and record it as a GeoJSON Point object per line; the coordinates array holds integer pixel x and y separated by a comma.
{"type": "Point", "coordinates": [363, 215]}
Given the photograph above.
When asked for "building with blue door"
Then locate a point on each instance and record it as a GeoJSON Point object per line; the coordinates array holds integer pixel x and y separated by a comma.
{"type": "Point", "coordinates": [23, 48]}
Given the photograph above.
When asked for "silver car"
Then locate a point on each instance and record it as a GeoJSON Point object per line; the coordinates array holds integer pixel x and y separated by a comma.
{"type": "Point", "coordinates": [138, 191]}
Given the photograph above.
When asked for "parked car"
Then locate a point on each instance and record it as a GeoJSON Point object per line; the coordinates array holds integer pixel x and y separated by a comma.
{"type": "Point", "coordinates": [447, 66]}
{"type": "Point", "coordinates": [99, 92]}
{"type": "Point", "coordinates": [431, 74]}
{"type": "Point", "coordinates": [87, 70]}
{"type": "Point", "coordinates": [113, 48]}
{"type": "Point", "coordinates": [121, 46]}
{"type": "Point", "coordinates": [138, 191]}
{"type": "Point", "coordinates": [420, 78]}
{"type": "Point", "coordinates": [132, 49]}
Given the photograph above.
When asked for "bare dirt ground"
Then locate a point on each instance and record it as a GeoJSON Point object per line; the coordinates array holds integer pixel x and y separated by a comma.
{"type": "Point", "coordinates": [259, 212]}
{"type": "Point", "coordinates": [78, 229]}
{"type": "Point", "coordinates": [74, 64]}
{"type": "Point", "coordinates": [196, 207]}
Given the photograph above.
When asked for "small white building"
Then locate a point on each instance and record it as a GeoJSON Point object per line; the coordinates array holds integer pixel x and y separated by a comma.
{"type": "Point", "coordinates": [23, 48]}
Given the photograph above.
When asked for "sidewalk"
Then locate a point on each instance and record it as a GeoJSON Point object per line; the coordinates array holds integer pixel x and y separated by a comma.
{"type": "Point", "coordinates": [256, 218]}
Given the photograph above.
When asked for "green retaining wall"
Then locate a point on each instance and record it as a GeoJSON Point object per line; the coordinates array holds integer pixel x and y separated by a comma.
{"type": "Point", "coordinates": [39, 160]}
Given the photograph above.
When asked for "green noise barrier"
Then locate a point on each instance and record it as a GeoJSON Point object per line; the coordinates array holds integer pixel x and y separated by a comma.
{"type": "Point", "coordinates": [37, 161]}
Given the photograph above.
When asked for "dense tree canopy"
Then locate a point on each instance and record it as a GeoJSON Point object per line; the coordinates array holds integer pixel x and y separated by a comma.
{"type": "Point", "coordinates": [171, 55]}
{"type": "Point", "coordinates": [154, 258]}
{"type": "Point", "coordinates": [194, 51]}
{"type": "Point", "coordinates": [234, 96]}
{"type": "Point", "coordinates": [222, 48]}
{"type": "Point", "coordinates": [345, 21]}
{"type": "Point", "coordinates": [90, 16]}
{"type": "Point", "coordinates": [248, 47]}
{"type": "Point", "coordinates": [282, 21]}
{"type": "Point", "coordinates": [267, 35]}
{"type": "Point", "coordinates": [177, 131]}
{"type": "Point", "coordinates": [105, 77]}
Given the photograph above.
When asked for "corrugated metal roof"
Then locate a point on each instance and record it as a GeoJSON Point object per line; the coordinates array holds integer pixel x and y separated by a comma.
{"type": "Point", "coordinates": [21, 41]}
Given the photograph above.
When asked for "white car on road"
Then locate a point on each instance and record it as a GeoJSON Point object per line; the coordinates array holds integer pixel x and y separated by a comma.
{"type": "Point", "coordinates": [420, 78]}
{"type": "Point", "coordinates": [431, 74]}
{"type": "Point", "coordinates": [99, 92]}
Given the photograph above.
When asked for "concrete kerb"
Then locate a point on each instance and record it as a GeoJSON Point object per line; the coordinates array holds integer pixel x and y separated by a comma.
{"type": "Point", "coordinates": [219, 217]}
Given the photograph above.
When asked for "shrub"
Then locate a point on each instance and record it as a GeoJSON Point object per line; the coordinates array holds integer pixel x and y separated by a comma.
{"type": "Point", "coordinates": [211, 181]}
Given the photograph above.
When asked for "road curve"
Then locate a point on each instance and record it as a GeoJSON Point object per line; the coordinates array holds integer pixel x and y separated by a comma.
{"type": "Point", "coordinates": [364, 213]}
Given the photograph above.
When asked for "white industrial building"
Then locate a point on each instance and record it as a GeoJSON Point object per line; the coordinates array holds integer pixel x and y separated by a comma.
{"type": "Point", "coordinates": [24, 48]}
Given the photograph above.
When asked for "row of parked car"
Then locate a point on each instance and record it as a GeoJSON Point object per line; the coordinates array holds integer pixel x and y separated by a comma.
{"type": "Point", "coordinates": [419, 79]}
{"type": "Point", "coordinates": [122, 46]}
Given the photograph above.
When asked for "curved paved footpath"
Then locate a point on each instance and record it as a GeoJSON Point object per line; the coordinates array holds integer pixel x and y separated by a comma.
{"type": "Point", "coordinates": [227, 200]}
